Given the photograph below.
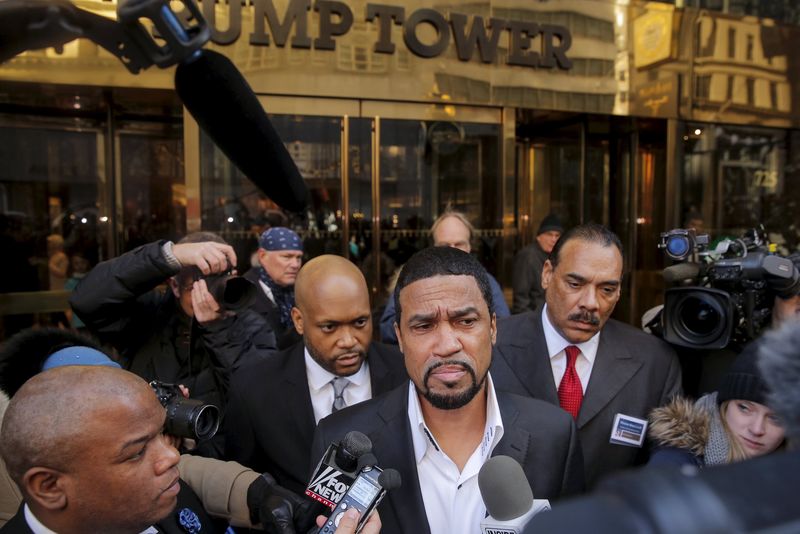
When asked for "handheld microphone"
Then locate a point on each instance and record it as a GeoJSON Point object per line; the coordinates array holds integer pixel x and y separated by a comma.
{"type": "Point", "coordinates": [508, 496]}
{"type": "Point", "coordinates": [339, 467]}
{"type": "Point", "coordinates": [223, 104]}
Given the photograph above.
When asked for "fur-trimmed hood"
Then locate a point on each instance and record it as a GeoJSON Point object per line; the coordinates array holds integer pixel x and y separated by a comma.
{"type": "Point", "coordinates": [681, 424]}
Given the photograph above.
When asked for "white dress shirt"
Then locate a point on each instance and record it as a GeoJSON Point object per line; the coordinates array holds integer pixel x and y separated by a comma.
{"type": "Point", "coordinates": [453, 501]}
{"type": "Point", "coordinates": [321, 389]}
{"type": "Point", "coordinates": [267, 291]}
{"type": "Point", "coordinates": [556, 346]}
{"type": "Point", "coordinates": [38, 528]}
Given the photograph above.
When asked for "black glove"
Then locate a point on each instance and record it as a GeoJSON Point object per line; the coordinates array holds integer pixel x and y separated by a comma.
{"type": "Point", "coordinates": [278, 510]}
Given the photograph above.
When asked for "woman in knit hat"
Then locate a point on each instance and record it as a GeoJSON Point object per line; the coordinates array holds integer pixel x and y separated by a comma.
{"type": "Point", "coordinates": [732, 424]}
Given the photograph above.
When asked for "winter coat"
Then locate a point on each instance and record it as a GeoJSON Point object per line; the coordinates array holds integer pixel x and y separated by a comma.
{"type": "Point", "coordinates": [688, 433]}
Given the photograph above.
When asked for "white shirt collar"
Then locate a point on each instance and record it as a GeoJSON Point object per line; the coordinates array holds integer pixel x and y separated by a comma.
{"type": "Point", "coordinates": [423, 438]}
{"type": "Point", "coordinates": [38, 528]}
{"type": "Point", "coordinates": [556, 342]}
{"type": "Point", "coordinates": [319, 377]}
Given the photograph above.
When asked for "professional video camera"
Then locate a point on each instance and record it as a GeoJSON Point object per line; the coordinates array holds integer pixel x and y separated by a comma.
{"type": "Point", "coordinates": [231, 292]}
{"type": "Point", "coordinates": [722, 294]}
{"type": "Point", "coordinates": [186, 418]}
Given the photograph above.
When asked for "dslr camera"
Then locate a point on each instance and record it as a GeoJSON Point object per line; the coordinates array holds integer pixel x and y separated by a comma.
{"type": "Point", "coordinates": [231, 292]}
{"type": "Point", "coordinates": [186, 418]}
{"type": "Point", "coordinates": [722, 294]}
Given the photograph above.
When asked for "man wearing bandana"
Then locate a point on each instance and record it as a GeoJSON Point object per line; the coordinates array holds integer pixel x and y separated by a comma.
{"type": "Point", "coordinates": [280, 254]}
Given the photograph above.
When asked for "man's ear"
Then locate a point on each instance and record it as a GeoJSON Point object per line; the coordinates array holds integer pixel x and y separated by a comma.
{"type": "Point", "coordinates": [175, 287]}
{"type": "Point", "coordinates": [297, 319]}
{"type": "Point", "coordinates": [47, 487]}
{"type": "Point", "coordinates": [547, 274]}
{"type": "Point", "coordinates": [397, 335]}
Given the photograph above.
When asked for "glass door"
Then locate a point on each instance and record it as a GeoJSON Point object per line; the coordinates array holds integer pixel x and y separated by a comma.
{"type": "Point", "coordinates": [313, 132]}
{"type": "Point", "coordinates": [431, 158]}
{"type": "Point", "coordinates": [375, 200]}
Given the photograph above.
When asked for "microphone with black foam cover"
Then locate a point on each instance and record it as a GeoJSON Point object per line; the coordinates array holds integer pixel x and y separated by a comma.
{"type": "Point", "coordinates": [508, 496]}
{"type": "Point", "coordinates": [223, 104]}
{"type": "Point", "coordinates": [339, 467]}
{"type": "Point", "coordinates": [680, 272]}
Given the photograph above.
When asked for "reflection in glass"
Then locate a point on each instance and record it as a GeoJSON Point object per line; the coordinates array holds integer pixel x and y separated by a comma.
{"type": "Point", "coordinates": [234, 207]}
{"type": "Point", "coordinates": [427, 166]}
{"type": "Point", "coordinates": [48, 212]}
{"type": "Point", "coordinates": [153, 191]}
{"type": "Point", "coordinates": [735, 178]}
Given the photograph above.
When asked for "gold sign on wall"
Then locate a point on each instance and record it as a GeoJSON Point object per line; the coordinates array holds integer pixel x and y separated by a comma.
{"type": "Point", "coordinates": [652, 35]}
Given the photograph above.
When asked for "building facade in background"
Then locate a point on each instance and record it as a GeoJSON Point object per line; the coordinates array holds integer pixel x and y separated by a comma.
{"type": "Point", "coordinates": [639, 115]}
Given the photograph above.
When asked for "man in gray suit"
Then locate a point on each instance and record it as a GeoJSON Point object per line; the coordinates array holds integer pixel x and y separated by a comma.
{"type": "Point", "coordinates": [606, 374]}
{"type": "Point", "coordinates": [438, 429]}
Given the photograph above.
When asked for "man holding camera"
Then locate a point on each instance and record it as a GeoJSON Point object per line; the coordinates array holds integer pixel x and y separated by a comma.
{"type": "Point", "coordinates": [180, 335]}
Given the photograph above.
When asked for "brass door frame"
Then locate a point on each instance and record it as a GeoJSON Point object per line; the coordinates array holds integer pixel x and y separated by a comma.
{"type": "Point", "coordinates": [373, 110]}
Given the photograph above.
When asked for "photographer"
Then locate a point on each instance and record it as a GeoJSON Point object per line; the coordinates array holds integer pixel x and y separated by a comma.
{"type": "Point", "coordinates": [180, 335]}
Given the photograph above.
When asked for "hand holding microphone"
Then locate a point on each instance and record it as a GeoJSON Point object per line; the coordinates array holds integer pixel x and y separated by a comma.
{"type": "Point", "coordinates": [508, 496]}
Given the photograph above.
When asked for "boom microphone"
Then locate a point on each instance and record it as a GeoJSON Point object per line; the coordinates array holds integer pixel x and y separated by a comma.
{"type": "Point", "coordinates": [223, 104]}
{"type": "Point", "coordinates": [339, 467]}
{"type": "Point", "coordinates": [508, 497]}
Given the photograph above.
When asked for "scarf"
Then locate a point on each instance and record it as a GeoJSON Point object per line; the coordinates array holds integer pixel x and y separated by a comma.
{"type": "Point", "coordinates": [716, 451]}
{"type": "Point", "coordinates": [284, 297]}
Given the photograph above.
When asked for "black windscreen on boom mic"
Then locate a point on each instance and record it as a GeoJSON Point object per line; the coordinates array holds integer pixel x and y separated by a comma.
{"type": "Point", "coordinates": [223, 104]}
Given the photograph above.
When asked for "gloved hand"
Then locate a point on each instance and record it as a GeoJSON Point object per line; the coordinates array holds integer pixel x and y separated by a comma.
{"type": "Point", "coordinates": [278, 510]}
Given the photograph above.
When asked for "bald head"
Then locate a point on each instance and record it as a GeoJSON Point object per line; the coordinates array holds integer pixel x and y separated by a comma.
{"type": "Point", "coordinates": [325, 274]}
{"type": "Point", "coordinates": [85, 445]}
{"type": "Point", "coordinates": [333, 314]}
{"type": "Point", "coordinates": [45, 422]}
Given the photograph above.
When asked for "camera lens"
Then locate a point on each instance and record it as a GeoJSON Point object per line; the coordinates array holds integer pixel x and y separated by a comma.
{"type": "Point", "coordinates": [206, 422]}
{"type": "Point", "coordinates": [700, 317]}
{"type": "Point", "coordinates": [190, 418]}
{"type": "Point", "coordinates": [678, 247]}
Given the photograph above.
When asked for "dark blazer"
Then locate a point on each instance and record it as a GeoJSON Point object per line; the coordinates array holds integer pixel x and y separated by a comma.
{"type": "Point", "coordinates": [187, 499]}
{"type": "Point", "coordinates": [541, 438]}
{"type": "Point", "coordinates": [269, 423]}
{"type": "Point", "coordinates": [633, 373]}
{"type": "Point", "coordinates": [286, 337]}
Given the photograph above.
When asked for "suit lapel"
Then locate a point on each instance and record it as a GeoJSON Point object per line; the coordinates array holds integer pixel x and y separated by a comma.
{"type": "Point", "coordinates": [613, 367]}
{"type": "Point", "coordinates": [526, 353]}
{"type": "Point", "coordinates": [515, 441]}
{"type": "Point", "coordinates": [295, 383]}
{"type": "Point", "coordinates": [377, 372]}
{"type": "Point", "coordinates": [393, 440]}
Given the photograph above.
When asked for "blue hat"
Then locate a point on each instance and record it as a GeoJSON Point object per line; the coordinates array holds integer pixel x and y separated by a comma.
{"type": "Point", "coordinates": [78, 355]}
{"type": "Point", "coordinates": [280, 238]}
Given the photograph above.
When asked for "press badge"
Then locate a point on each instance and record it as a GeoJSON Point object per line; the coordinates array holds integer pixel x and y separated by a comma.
{"type": "Point", "coordinates": [628, 430]}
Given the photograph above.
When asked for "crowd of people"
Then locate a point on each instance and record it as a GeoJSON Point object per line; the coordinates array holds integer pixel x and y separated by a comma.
{"type": "Point", "coordinates": [559, 386]}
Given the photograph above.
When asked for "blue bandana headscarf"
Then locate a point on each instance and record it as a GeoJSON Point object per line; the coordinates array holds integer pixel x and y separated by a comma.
{"type": "Point", "coordinates": [280, 238]}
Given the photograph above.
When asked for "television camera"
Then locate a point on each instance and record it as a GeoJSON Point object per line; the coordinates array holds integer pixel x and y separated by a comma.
{"type": "Point", "coordinates": [721, 293]}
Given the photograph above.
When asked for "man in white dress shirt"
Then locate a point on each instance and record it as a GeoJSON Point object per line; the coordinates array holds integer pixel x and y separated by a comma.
{"type": "Point", "coordinates": [275, 404]}
{"type": "Point", "coordinates": [438, 429]}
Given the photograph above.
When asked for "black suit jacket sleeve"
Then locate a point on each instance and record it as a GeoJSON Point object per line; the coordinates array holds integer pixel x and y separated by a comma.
{"type": "Point", "coordinates": [116, 294]}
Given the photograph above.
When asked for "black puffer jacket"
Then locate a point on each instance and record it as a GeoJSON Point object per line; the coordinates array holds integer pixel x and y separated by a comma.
{"type": "Point", "coordinates": [120, 302]}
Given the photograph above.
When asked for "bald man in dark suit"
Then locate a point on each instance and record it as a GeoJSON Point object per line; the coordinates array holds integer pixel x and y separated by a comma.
{"type": "Point", "coordinates": [276, 404]}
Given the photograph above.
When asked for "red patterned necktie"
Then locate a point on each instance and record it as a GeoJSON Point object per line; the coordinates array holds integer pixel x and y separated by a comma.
{"type": "Point", "coordinates": [570, 391]}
